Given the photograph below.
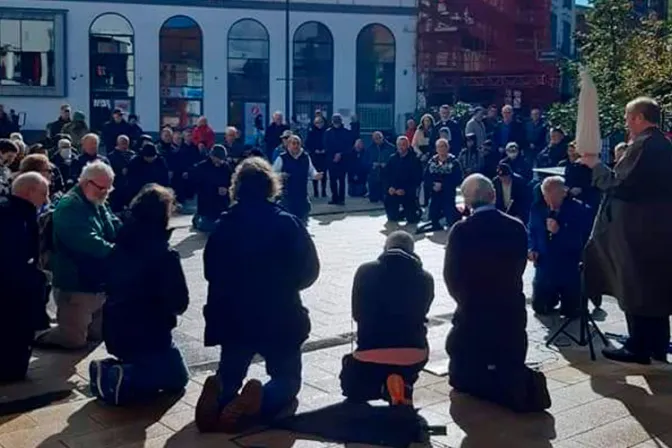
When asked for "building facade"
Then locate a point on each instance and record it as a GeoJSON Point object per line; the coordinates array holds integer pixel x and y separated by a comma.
{"type": "Point", "coordinates": [563, 27]}
{"type": "Point", "coordinates": [171, 61]}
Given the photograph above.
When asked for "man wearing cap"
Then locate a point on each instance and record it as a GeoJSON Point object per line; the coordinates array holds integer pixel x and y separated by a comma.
{"type": "Point", "coordinates": [337, 143]}
{"type": "Point", "coordinates": [282, 147]}
{"type": "Point", "coordinates": [146, 168]}
{"type": "Point", "coordinates": [212, 180]}
{"type": "Point", "coordinates": [114, 128]}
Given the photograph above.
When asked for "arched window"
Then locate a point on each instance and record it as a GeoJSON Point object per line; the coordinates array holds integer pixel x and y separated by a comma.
{"type": "Point", "coordinates": [375, 77]}
{"type": "Point", "coordinates": [313, 71]}
{"type": "Point", "coordinates": [248, 81]}
{"type": "Point", "coordinates": [181, 72]}
{"type": "Point", "coordinates": [112, 68]}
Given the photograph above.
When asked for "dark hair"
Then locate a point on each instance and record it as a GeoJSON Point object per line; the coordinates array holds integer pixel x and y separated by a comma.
{"type": "Point", "coordinates": [37, 148]}
{"type": "Point", "coordinates": [6, 145]}
{"type": "Point", "coordinates": [254, 179]}
{"type": "Point", "coordinates": [153, 206]}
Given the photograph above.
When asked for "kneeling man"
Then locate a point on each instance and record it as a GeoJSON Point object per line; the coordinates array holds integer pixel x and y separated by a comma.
{"type": "Point", "coordinates": [390, 301]}
{"type": "Point", "coordinates": [486, 256]}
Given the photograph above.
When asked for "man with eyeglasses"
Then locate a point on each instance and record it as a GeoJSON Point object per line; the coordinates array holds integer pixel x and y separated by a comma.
{"type": "Point", "coordinates": [83, 237]}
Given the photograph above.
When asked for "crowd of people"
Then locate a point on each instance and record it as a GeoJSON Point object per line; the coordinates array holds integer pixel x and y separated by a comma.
{"type": "Point", "coordinates": [92, 231]}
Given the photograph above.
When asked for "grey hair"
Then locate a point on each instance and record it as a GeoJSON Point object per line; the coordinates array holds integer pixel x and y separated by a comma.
{"type": "Point", "coordinates": [551, 182]}
{"type": "Point", "coordinates": [377, 133]}
{"type": "Point", "coordinates": [478, 191]}
{"type": "Point", "coordinates": [90, 136]}
{"type": "Point", "coordinates": [231, 129]}
{"type": "Point", "coordinates": [512, 145]}
{"type": "Point", "coordinates": [400, 239]}
{"type": "Point", "coordinates": [123, 137]}
{"type": "Point", "coordinates": [507, 108]}
{"type": "Point", "coordinates": [28, 181]}
{"type": "Point", "coordinates": [95, 169]}
{"type": "Point", "coordinates": [16, 136]}
{"type": "Point", "coordinates": [294, 138]}
{"type": "Point", "coordinates": [401, 138]}
{"type": "Point", "coordinates": [443, 141]}
{"type": "Point", "coordinates": [64, 143]}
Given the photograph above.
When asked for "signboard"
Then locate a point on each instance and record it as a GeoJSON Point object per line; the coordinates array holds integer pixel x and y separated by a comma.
{"type": "Point", "coordinates": [254, 113]}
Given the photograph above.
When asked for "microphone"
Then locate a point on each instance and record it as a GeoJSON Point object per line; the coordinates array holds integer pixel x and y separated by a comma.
{"type": "Point", "coordinates": [552, 214]}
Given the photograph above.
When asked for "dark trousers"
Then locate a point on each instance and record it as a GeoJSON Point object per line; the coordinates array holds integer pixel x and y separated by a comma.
{"type": "Point", "coordinates": [15, 358]}
{"type": "Point", "coordinates": [409, 207]}
{"type": "Point", "coordinates": [364, 381]}
{"type": "Point", "coordinates": [442, 206]}
{"type": "Point", "coordinates": [649, 336]}
{"type": "Point", "coordinates": [375, 186]}
{"type": "Point", "coordinates": [283, 366]}
{"type": "Point", "coordinates": [357, 188]}
{"type": "Point", "coordinates": [320, 164]}
{"type": "Point", "coordinates": [337, 183]}
{"type": "Point", "coordinates": [553, 286]}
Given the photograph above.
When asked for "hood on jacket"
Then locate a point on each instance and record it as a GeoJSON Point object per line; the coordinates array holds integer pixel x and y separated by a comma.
{"type": "Point", "coordinates": [398, 258]}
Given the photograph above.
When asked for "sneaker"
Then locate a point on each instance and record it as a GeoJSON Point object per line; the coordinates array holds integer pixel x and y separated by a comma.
{"type": "Point", "coordinates": [98, 378]}
{"type": "Point", "coordinates": [396, 391]}
{"type": "Point", "coordinates": [115, 379]}
{"type": "Point", "coordinates": [624, 355]}
{"type": "Point", "coordinates": [207, 407]}
{"type": "Point", "coordinates": [243, 409]}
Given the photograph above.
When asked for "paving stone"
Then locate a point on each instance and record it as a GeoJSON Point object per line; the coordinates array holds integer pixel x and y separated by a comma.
{"type": "Point", "coordinates": [622, 433]}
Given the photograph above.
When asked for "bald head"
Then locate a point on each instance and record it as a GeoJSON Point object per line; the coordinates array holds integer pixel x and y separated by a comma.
{"type": "Point", "coordinates": [32, 187]}
{"type": "Point", "coordinates": [478, 191]}
{"type": "Point", "coordinates": [554, 191]}
{"type": "Point", "coordinates": [400, 240]}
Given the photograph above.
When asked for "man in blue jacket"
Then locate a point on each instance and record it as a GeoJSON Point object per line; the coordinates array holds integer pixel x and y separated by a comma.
{"type": "Point", "coordinates": [337, 143]}
{"type": "Point", "coordinates": [557, 233]}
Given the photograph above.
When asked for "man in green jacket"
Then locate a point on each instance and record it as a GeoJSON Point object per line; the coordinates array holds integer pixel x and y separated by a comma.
{"type": "Point", "coordinates": [84, 230]}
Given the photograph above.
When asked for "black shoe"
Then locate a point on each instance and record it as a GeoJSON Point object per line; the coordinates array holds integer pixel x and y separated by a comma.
{"type": "Point", "coordinates": [625, 355]}
{"type": "Point", "coordinates": [341, 203]}
{"type": "Point", "coordinates": [570, 313]}
{"type": "Point", "coordinates": [333, 202]}
{"type": "Point", "coordinates": [324, 194]}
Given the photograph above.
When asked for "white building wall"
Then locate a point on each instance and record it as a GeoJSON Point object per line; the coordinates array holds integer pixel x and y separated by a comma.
{"type": "Point", "coordinates": [215, 23]}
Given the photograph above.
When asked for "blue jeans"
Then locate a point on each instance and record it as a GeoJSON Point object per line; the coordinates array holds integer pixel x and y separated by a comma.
{"type": "Point", "coordinates": [284, 368]}
{"type": "Point", "coordinates": [120, 382]}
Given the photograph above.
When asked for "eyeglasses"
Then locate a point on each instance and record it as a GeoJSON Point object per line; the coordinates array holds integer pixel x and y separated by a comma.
{"type": "Point", "coordinates": [102, 188]}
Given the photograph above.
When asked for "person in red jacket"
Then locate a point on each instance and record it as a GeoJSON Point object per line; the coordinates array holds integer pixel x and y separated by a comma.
{"type": "Point", "coordinates": [203, 135]}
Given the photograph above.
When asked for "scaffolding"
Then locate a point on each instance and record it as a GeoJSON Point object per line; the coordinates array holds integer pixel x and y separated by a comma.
{"type": "Point", "coordinates": [485, 51]}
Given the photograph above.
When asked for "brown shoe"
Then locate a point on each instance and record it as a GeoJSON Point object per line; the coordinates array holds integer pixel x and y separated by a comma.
{"type": "Point", "coordinates": [207, 407]}
{"type": "Point", "coordinates": [242, 410]}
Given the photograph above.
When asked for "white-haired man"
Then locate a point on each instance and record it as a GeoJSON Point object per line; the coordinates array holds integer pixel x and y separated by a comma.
{"type": "Point", "coordinates": [22, 282]}
{"type": "Point", "coordinates": [558, 229]}
{"type": "Point", "coordinates": [84, 234]}
{"type": "Point", "coordinates": [89, 146]}
{"type": "Point", "coordinates": [484, 265]}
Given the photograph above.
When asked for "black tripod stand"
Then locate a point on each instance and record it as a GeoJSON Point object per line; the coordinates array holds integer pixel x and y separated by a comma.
{"type": "Point", "coordinates": [586, 324]}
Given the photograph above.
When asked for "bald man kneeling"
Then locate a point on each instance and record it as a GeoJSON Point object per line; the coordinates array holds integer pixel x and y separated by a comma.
{"type": "Point", "coordinates": [22, 282]}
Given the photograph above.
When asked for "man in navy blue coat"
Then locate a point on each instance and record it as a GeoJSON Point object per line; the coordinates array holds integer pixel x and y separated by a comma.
{"type": "Point", "coordinates": [557, 233]}
{"type": "Point", "coordinates": [337, 143]}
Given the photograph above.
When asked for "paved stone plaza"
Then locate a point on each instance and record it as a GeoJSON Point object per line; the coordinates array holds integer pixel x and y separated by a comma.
{"type": "Point", "coordinates": [595, 404]}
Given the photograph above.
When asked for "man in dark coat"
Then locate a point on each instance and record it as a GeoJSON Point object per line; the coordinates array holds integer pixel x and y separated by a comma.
{"type": "Point", "coordinates": [486, 256]}
{"type": "Point", "coordinates": [212, 179]}
{"type": "Point", "coordinates": [22, 281]}
{"type": "Point", "coordinates": [628, 255]}
{"type": "Point", "coordinates": [190, 155]}
{"type": "Point", "coordinates": [555, 152]}
{"type": "Point", "coordinates": [514, 196]}
{"type": "Point", "coordinates": [517, 162]}
{"type": "Point", "coordinates": [120, 158]}
{"type": "Point", "coordinates": [65, 159]}
{"type": "Point", "coordinates": [390, 301]}
{"type": "Point", "coordinates": [254, 302]}
{"type": "Point", "coordinates": [114, 128]}
{"type": "Point", "coordinates": [579, 180]}
{"type": "Point", "coordinates": [557, 233]}
{"type": "Point", "coordinates": [273, 133]}
{"type": "Point", "coordinates": [337, 143]}
{"type": "Point", "coordinates": [446, 121]}
{"type": "Point", "coordinates": [358, 170]}
{"type": "Point", "coordinates": [148, 167]}
{"type": "Point", "coordinates": [403, 175]}
{"type": "Point", "coordinates": [378, 154]}
{"type": "Point", "coordinates": [315, 147]}
{"type": "Point", "coordinates": [536, 132]}
{"type": "Point", "coordinates": [296, 170]}
{"type": "Point", "coordinates": [90, 153]}
{"type": "Point", "coordinates": [509, 130]}
{"type": "Point", "coordinates": [55, 127]}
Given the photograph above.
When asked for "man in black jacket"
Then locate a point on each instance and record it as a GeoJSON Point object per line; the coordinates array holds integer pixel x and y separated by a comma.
{"type": "Point", "coordinates": [486, 256]}
{"type": "Point", "coordinates": [254, 302]}
{"type": "Point", "coordinates": [146, 168]}
{"type": "Point", "coordinates": [114, 128]}
{"type": "Point", "coordinates": [337, 143]}
{"type": "Point", "coordinates": [390, 301]}
{"type": "Point", "coordinates": [120, 158]}
{"type": "Point", "coordinates": [273, 133]}
{"type": "Point", "coordinates": [509, 130]}
{"type": "Point", "coordinates": [403, 175]}
{"type": "Point", "coordinates": [22, 282]}
{"type": "Point", "coordinates": [212, 179]}
{"type": "Point", "coordinates": [514, 195]}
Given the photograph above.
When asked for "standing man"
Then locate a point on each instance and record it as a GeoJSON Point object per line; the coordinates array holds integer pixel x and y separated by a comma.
{"type": "Point", "coordinates": [89, 144]}
{"type": "Point", "coordinates": [273, 133]}
{"type": "Point", "coordinates": [114, 128]}
{"type": "Point", "coordinates": [476, 127]}
{"type": "Point", "coordinates": [212, 179]}
{"type": "Point", "coordinates": [509, 130]}
{"type": "Point", "coordinates": [446, 121]}
{"type": "Point", "coordinates": [403, 176]}
{"type": "Point", "coordinates": [23, 282]}
{"type": "Point", "coordinates": [84, 234]}
{"type": "Point", "coordinates": [120, 158]}
{"type": "Point", "coordinates": [55, 127]}
{"type": "Point", "coordinates": [337, 143]}
{"type": "Point", "coordinates": [628, 255]}
{"type": "Point", "coordinates": [378, 154]}
{"type": "Point", "coordinates": [536, 135]}
{"type": "Point", "coordinates": [296, 169]}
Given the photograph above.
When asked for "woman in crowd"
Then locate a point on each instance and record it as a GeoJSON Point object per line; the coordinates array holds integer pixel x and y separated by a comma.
{"type": "Point", "coordinates": [146, 291]}
{"type": "Point", "coordinates": [165, 143]}
{"type": "Point", "coordinates": [421, 143]}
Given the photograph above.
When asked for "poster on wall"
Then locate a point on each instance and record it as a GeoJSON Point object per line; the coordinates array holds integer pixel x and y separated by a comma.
{"type": "Point", "coordinates": [255, 118]}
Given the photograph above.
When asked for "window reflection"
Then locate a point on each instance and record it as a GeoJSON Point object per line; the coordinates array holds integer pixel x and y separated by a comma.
{"type": "Point", "coordinates": [313, 73]}
{"type": "Point", "coordinates": [112, 67]}
{"type": "Point", "coordinates": [248, 76]}
{"type": "Point", "coordinates": [376, 55]}
{"type": "Point", "coordinates": [181, 72]}
{"type": "Point", "coordinates": [27, 52]}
